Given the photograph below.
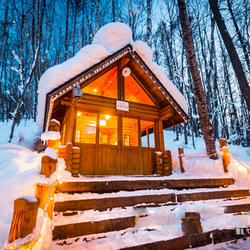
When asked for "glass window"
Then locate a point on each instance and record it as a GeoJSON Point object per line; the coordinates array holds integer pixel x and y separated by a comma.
{"type": "Point", "coordinates": [147, 134]}
{"type": "Point", "coordinates": [129, 132]}
{"type": "Point", "coordinates": [134, 93]}
{"type": "Point", "coordinates": [78, 136]}
{"type": "Point", "coordinates": [108, 129]}
{"type": "Point", "coordinates": [105, 85]}
{"type": "Point", "coordinates": [85, 127]}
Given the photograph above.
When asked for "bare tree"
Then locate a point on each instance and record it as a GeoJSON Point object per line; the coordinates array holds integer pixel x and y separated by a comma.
{"type": "Point", "coordinates": [199, 92]}
{"type": "Point", "coordinates": [237, 66]}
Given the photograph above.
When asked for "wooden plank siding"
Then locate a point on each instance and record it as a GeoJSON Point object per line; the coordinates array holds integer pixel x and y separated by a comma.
{"type": "Point", "coordinates": [87, 158]}
{"type": "Point", "coordinates": [148, 161]}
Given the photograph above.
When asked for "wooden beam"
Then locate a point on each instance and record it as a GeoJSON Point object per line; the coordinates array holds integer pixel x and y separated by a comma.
{"type": "Point", "coordinates": [124, 61]}
{"type": "Point", "coordinates": [166, 112]}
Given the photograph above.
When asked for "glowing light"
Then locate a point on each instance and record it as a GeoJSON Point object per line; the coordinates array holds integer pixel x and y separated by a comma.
{"type": "Point", "coordinates": [95, 90]}
{"type": "Point", "coordinates": [78, 113]}
{"type": "Point", "coordinates": [59, 176]}
{"type": "Point", "coordinates": [107, 117]}
{"type": "Point", "coordinates": [102, 123]}
{"type": "Point", "coordinates": [60, 182]}
{"type": "Point", "coordinates": [40, 239]}
{"type": "Point", "coordinates": [241, 168]}
{"type": "Point", "coordinates": [51, 198]}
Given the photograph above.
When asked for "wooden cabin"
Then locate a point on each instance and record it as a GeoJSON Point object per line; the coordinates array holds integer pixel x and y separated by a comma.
{"type": "Point", "coordinates": [118, 120]}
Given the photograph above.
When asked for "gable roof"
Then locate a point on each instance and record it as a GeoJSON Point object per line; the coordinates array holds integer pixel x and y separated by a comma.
{"type": "Point", "coordinates": [141, 70]}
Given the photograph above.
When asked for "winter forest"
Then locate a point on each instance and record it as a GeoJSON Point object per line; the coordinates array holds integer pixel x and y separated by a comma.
{"type": "Point", "coordinates": [38, 34]}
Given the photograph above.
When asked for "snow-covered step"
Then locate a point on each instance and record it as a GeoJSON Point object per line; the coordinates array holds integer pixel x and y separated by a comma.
{"type": "Point", "coordinates": [102, 202]}
{"type": "Point", "coordinates": [212, 194]}
{"type": "Point", "coordinates": [104, 186]}
{"type": "Point", "coordinates": [92, 227]}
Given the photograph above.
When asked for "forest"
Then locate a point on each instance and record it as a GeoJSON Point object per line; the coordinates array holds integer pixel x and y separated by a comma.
{"type": "Point", "coordinates": [38, 34]}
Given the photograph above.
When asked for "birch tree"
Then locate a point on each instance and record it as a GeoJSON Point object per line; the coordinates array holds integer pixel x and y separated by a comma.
{"type": "Point", "coordinates": [199, 92]}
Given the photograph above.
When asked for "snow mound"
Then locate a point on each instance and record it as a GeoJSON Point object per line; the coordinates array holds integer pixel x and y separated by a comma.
{"type": "Point", "coordinates": [113, 36]}
{"type": "Point", "coordinates": [176, 94]}
{"type": "Point", "coordinates": [51, 153]}
{"type": "Point", "coordinates": [50, 135]}
{"type": "Point", "coordinates": [143, 50]}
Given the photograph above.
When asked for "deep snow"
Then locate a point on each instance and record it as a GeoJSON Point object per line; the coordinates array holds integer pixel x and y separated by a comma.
{"type": "Point", "coordinates": [20, 167]}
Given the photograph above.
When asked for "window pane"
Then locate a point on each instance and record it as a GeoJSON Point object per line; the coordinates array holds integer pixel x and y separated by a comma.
{"type": "Point", "coordinates": [108, 130]}
{"type": "Point", "coordinates": [86, 127]}
{"type": "Point", "coordinates": [147, 134]}
{"type": "Point", "coordinates": [134, 93]}
{"type": "Point", "coordinates": [129, 132]}
{"type": "Point", "coordinates": [105, 85]}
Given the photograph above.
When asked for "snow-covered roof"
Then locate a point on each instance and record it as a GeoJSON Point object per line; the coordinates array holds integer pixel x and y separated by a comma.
{"type": "Point", "coordinates": [108, 40]}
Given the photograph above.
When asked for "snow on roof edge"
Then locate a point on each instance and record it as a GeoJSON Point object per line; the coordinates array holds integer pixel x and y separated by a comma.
{"type": "Point", "coordinates": [108, 40]}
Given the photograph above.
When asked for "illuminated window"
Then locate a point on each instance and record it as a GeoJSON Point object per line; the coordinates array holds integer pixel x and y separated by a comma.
{"type": "Point", "coordinates": [78, 136]}
{"type": "Point", "coordinates": [147, 134]}
{"type": "Point", "coordinates": [108, 130]}
{"type": "Point", "coordinates": [86, 127]}
{"type": "Point", "coordinates": [129, 132]}
{"type": "Point", "coordinates": [105, 85]}
{"type": "Point", "coordinates": [134, 93]}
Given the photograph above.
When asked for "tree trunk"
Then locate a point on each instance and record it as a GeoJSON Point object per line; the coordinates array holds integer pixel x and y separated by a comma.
{"type": "Point", "coordinates": [199, 92]}
{"type": "Point", "coordinates": [66, 32]}
{"type": "Point", "coordinates": [238, 69]}
{"type": "Point", "coordinates": [243, 42]}
{"type": "Point", "coordinates": [149, 22]}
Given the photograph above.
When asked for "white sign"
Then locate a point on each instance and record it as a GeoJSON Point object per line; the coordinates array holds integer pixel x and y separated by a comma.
{"type": "Point", "coordinates": [120, 105]}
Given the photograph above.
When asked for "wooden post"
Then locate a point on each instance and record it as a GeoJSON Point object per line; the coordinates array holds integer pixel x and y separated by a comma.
{"type": "Point", "coordinates": [42, 191]}
{"type": "Point", "coordinates": [48, 166]}
{"type": "Point", "coordinates": [72, 156]}
{"type": "Point", "coordinates": [224, 154]}
{"type": "Point", "coordinates": [158, 163]}
{"type": "Point", "coordinates": [70, 124]}
{"type": "Point", "coordinates": [191, 223]}
{"type": "Point", "coordinates": [181, 154]}
{"type": "Point", "coordinates": [167, 162]}
{"type": "Point", "coordinates": [54, 126]}
{"type": "Point", "coordinates": [24, 217]}
{"type": "Point", "coordinates": [68, 158]}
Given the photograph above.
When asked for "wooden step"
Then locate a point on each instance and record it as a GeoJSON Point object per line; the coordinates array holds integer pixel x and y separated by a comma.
{"type": "Point", "coordinates": [185, 242]}
{"type": "Point", "coordinates": [210, 195]}
{"type": "Point", "coordinates": [130, 185]}
{"type": "Point", "coordinates": [93, 227]}
{"type": "Point", "coordinates": [103, 204]}
{"type": "Point", "coordinates": [236, 208]}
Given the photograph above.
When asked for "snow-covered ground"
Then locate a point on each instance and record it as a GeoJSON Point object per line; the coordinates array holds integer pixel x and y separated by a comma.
{"type": "Point", "coordinates": [20, 167]}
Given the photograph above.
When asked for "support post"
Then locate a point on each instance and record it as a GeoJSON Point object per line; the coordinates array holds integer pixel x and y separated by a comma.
{"type": "Point", "coordinates": [43, 191]}
{"type": "Point", "coordinates": [224, 154]}
{"type": "Point", "coordinates": [167, 162]}
{"type": "Point", "coordinates": [158, 163]}
{"type": "Point", "coordinates": [191, 223]}
{"type": "Point", "coordinates": [48, 166]}
{"type": "Point", "coordinates": [181, 154]}
{"type": "Point", "coordinates": [54, 126]}
{"type": "Point", "coordinates": [24, 217]}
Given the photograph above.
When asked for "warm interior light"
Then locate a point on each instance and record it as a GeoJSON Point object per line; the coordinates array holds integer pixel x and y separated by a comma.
{"type": "Point", "coordinates": [107, 117]}
{"type": "Point", "coordinates": [102, 123]}
{"type": "Point", "coordinates": [95, 90]}
{"type": "Point", "coordinates": [78, 113]}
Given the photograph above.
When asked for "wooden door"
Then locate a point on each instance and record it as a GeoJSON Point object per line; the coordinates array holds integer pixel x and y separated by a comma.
{"type": "Point", "coordinates": [112, 144]}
